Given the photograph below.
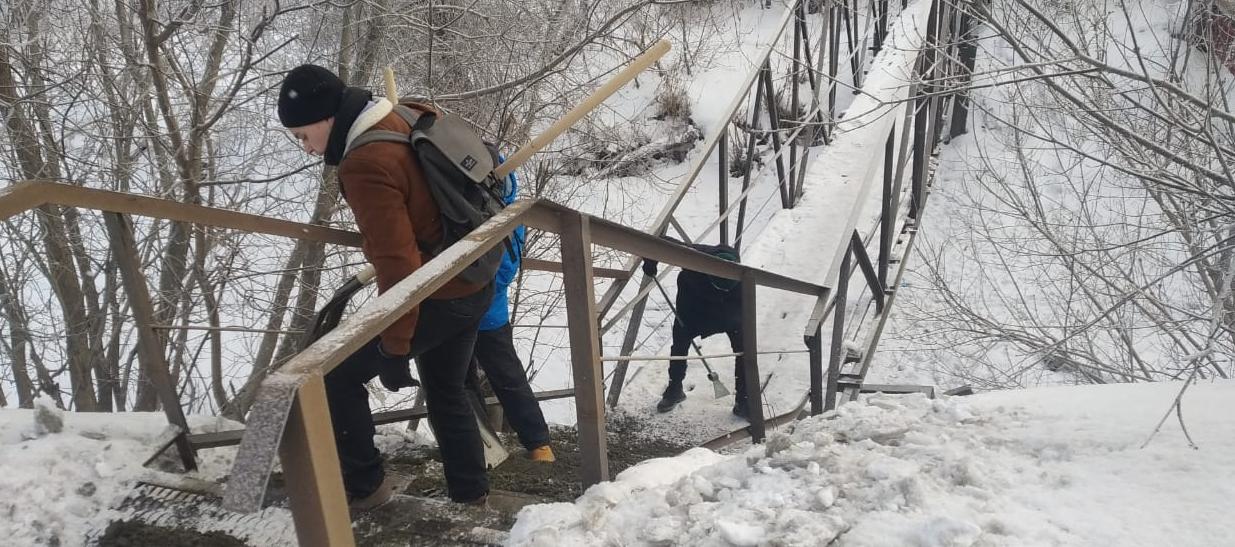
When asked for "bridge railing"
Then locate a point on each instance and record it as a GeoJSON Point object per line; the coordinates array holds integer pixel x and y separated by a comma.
{"type": "Point", "coordinates": [904, 135]}
{"type": "Point", "coordinates": [879, 165]}
{"type": "Point", "coordinates": [290, 419]}
{"type": "Point", "coordinates": [821, 65]}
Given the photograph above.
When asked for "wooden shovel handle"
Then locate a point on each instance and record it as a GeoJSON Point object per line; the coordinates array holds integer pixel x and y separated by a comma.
{"type": "Point", "coordinates": [639, 64]}
{"type": "Point", "coordinates": [627, 74]}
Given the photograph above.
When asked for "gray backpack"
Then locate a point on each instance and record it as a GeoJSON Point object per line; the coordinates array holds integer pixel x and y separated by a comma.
{"type": "Point", "coordinates": [458, 168]}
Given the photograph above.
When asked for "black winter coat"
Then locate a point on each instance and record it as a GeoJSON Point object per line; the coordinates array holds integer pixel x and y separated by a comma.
{"type": "Point", "coordinates": [708, 305]}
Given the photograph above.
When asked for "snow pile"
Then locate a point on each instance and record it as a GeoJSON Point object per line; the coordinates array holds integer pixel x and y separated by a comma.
{"type": "Point", "coordinates": [1058, 466]}
{"type": "Point", "coordinates": [58, 485]}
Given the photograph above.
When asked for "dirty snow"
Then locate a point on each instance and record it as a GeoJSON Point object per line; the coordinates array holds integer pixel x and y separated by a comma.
{"type": "Point", "coordinates": [1049, 466]}
{"type": "Point", "coordinates": [58, 486]}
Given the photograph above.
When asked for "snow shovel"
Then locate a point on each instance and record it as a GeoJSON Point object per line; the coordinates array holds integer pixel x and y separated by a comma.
{"type": "Point", "coordinates": [328, 318]}
{"type": "Point", "coordinates": [717, 387]}
{"type": "Point", "coordinates": [637, 65]}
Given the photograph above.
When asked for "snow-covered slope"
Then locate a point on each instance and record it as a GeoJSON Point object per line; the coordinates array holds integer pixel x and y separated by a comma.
{"type": "Point", "coordinates": [1050, 466]}
{"type": "Point", "coordinates": [57, 488]}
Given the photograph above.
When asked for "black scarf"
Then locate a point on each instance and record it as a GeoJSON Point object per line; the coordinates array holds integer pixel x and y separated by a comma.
{"type": "Point", "coordinates": [354, 101]}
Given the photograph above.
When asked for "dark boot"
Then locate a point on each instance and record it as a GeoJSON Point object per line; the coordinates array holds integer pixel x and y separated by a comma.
{"type": "Point", "coordinates": [741, 410]}
{"type": "Point", "coordinates": [395, 375]}
{"type": "Point", "coordinates": [392, 484]}
{"type": "Point", "coordinates": [672, 396]}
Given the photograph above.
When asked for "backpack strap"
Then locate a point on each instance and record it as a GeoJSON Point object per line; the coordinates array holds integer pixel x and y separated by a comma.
{"type": "Point", "coordinates": [382, 135]}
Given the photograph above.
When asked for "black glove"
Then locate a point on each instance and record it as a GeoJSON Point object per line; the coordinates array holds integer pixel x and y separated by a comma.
{"type": "Point", "coordinates": [394, 371]}
{"type": "Point", "coordinates": [649, 267]}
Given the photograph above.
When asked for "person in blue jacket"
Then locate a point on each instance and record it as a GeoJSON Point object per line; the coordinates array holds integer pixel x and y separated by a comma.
{"type": "Point", "coordinates": [495, 353]}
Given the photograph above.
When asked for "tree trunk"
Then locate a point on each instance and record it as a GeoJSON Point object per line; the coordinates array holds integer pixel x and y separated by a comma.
{"type": "Point", "coordinates": [19, 336]}
{"type": "Point", "coordinates": [261, 364]}
{"type": "Point", "coordinates": [60, 262]}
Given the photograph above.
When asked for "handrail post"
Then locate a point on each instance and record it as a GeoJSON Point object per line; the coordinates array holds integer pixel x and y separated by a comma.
{"type": "Point", "coordinates": [833, 41]}
{"type": "Point", "coordinates": [855, 52]}
{"type": "Point", "coordinates": [774, 127]}
{"type": "Point", "coordinates": [795, 105]}
{"type": "Point", "coordinates": [149, 349]}
{"type": "Point", "coordinates": [920, 118]}
{"type": "Point", "coordinates": [749, 159]}
{"type": "Point", "coordinates": [968, 50]}
{"type": "Point", "coordinates": [813, 71]}
{"type": "Point", "coordinates": [939, 59]}
{"type": "Point", "coordinates": [858, 250]}
{"type": "Point", "coordinates": [838, 331]}
{"type": "Point", "coordinates": [311, 464]}
{"type": "Point", "coordinates": [887, 214]}
{"type": "Point", "coordinates": [628, 344]}
{"type": "Point", "coordinates": [576, 245]}
{"type": "Point", "coordinates": [814, 343]}
{"type": "Point", "coordinates": [750, 359]}
{"type": "Point", "coordinates": [722, 185]}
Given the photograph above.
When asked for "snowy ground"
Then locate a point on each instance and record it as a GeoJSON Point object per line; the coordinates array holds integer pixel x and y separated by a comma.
{"type": "Point", "coordinates": [56, 488]}
{"type": "Point", "coordinates": [1049, 466]}
{"type": "Point", "coordinates": [63, 488]}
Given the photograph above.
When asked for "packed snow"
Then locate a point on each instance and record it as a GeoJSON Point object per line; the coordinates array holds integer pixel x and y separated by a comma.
{"type": "Point", "coordinates": [1048, 466]}
{"type": "Point", "coordinates": [60, 487]}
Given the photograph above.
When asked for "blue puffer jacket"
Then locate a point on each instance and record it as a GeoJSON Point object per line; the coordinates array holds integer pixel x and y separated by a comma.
{"type": "Point", "coordinates": [499, 311]}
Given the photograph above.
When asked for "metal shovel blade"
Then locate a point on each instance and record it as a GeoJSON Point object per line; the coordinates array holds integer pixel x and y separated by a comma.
{"type": "Point", "coordinates": [717, 386]}
{"type": "Point", "coordinates": [495, 453]}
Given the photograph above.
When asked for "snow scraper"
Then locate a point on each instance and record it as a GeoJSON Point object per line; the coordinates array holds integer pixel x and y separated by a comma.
{"type": "Point", "coordinates": [328, 318]}
{"type": "Point", "coordinates": [718, 388]}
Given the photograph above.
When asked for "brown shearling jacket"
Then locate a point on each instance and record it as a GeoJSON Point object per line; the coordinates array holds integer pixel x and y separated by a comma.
{"type": "Point", "coordinates": [397, 218]}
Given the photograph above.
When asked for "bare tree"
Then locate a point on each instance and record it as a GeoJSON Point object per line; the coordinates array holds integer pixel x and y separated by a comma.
{"type": "Point", "coordinates": [1094, 240]}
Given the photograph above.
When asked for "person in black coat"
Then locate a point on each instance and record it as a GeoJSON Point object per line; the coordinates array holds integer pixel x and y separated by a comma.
{"type": "Point", "coordinates": [706, 305]}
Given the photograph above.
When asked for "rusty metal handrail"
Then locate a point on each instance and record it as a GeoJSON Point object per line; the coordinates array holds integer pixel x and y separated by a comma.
{"type": "Point", "coordinates": [26, 195]}
{"type": "Point", "coordinates": [290, 410]}
{"type": "Point", "coordinates": [288, 415]}
{"type": "Point", "coordinates": [32, 194]}
{"type": "Point", "coordinates": [759, 81]}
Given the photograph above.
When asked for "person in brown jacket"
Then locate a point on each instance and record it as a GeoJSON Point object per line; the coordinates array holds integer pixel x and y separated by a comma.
{"type": "Point", "coordinates": [399, 221]}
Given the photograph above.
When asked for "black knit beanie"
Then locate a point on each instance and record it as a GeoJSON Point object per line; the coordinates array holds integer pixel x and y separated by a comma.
{"type": "Point", "coordinates": [309, 94]}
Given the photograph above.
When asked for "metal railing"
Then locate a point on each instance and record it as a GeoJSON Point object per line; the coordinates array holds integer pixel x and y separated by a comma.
{"type": "Point", "coordinates": [289, 415]}
{"type": "Point", "coordinates": [899, 129]}
{"type": "Point", "coordinates": [790, 139]}
{"type": "Point", "coordinates": [919, 110]}
{"type": "Point", "coordinates": [290, 418]}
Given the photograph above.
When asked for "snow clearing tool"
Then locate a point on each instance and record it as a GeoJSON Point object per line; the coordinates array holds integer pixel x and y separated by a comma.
{"type": "Point", "coordinates": [637, 65]}
{"type": "Point", "coordinates": [328, 318]}
{"type": "Point", "coordinates": [718, 388]}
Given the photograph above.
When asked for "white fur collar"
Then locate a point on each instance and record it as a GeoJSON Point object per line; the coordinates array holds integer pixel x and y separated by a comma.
{"type": "Point", "coordinates": [368, 118]}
